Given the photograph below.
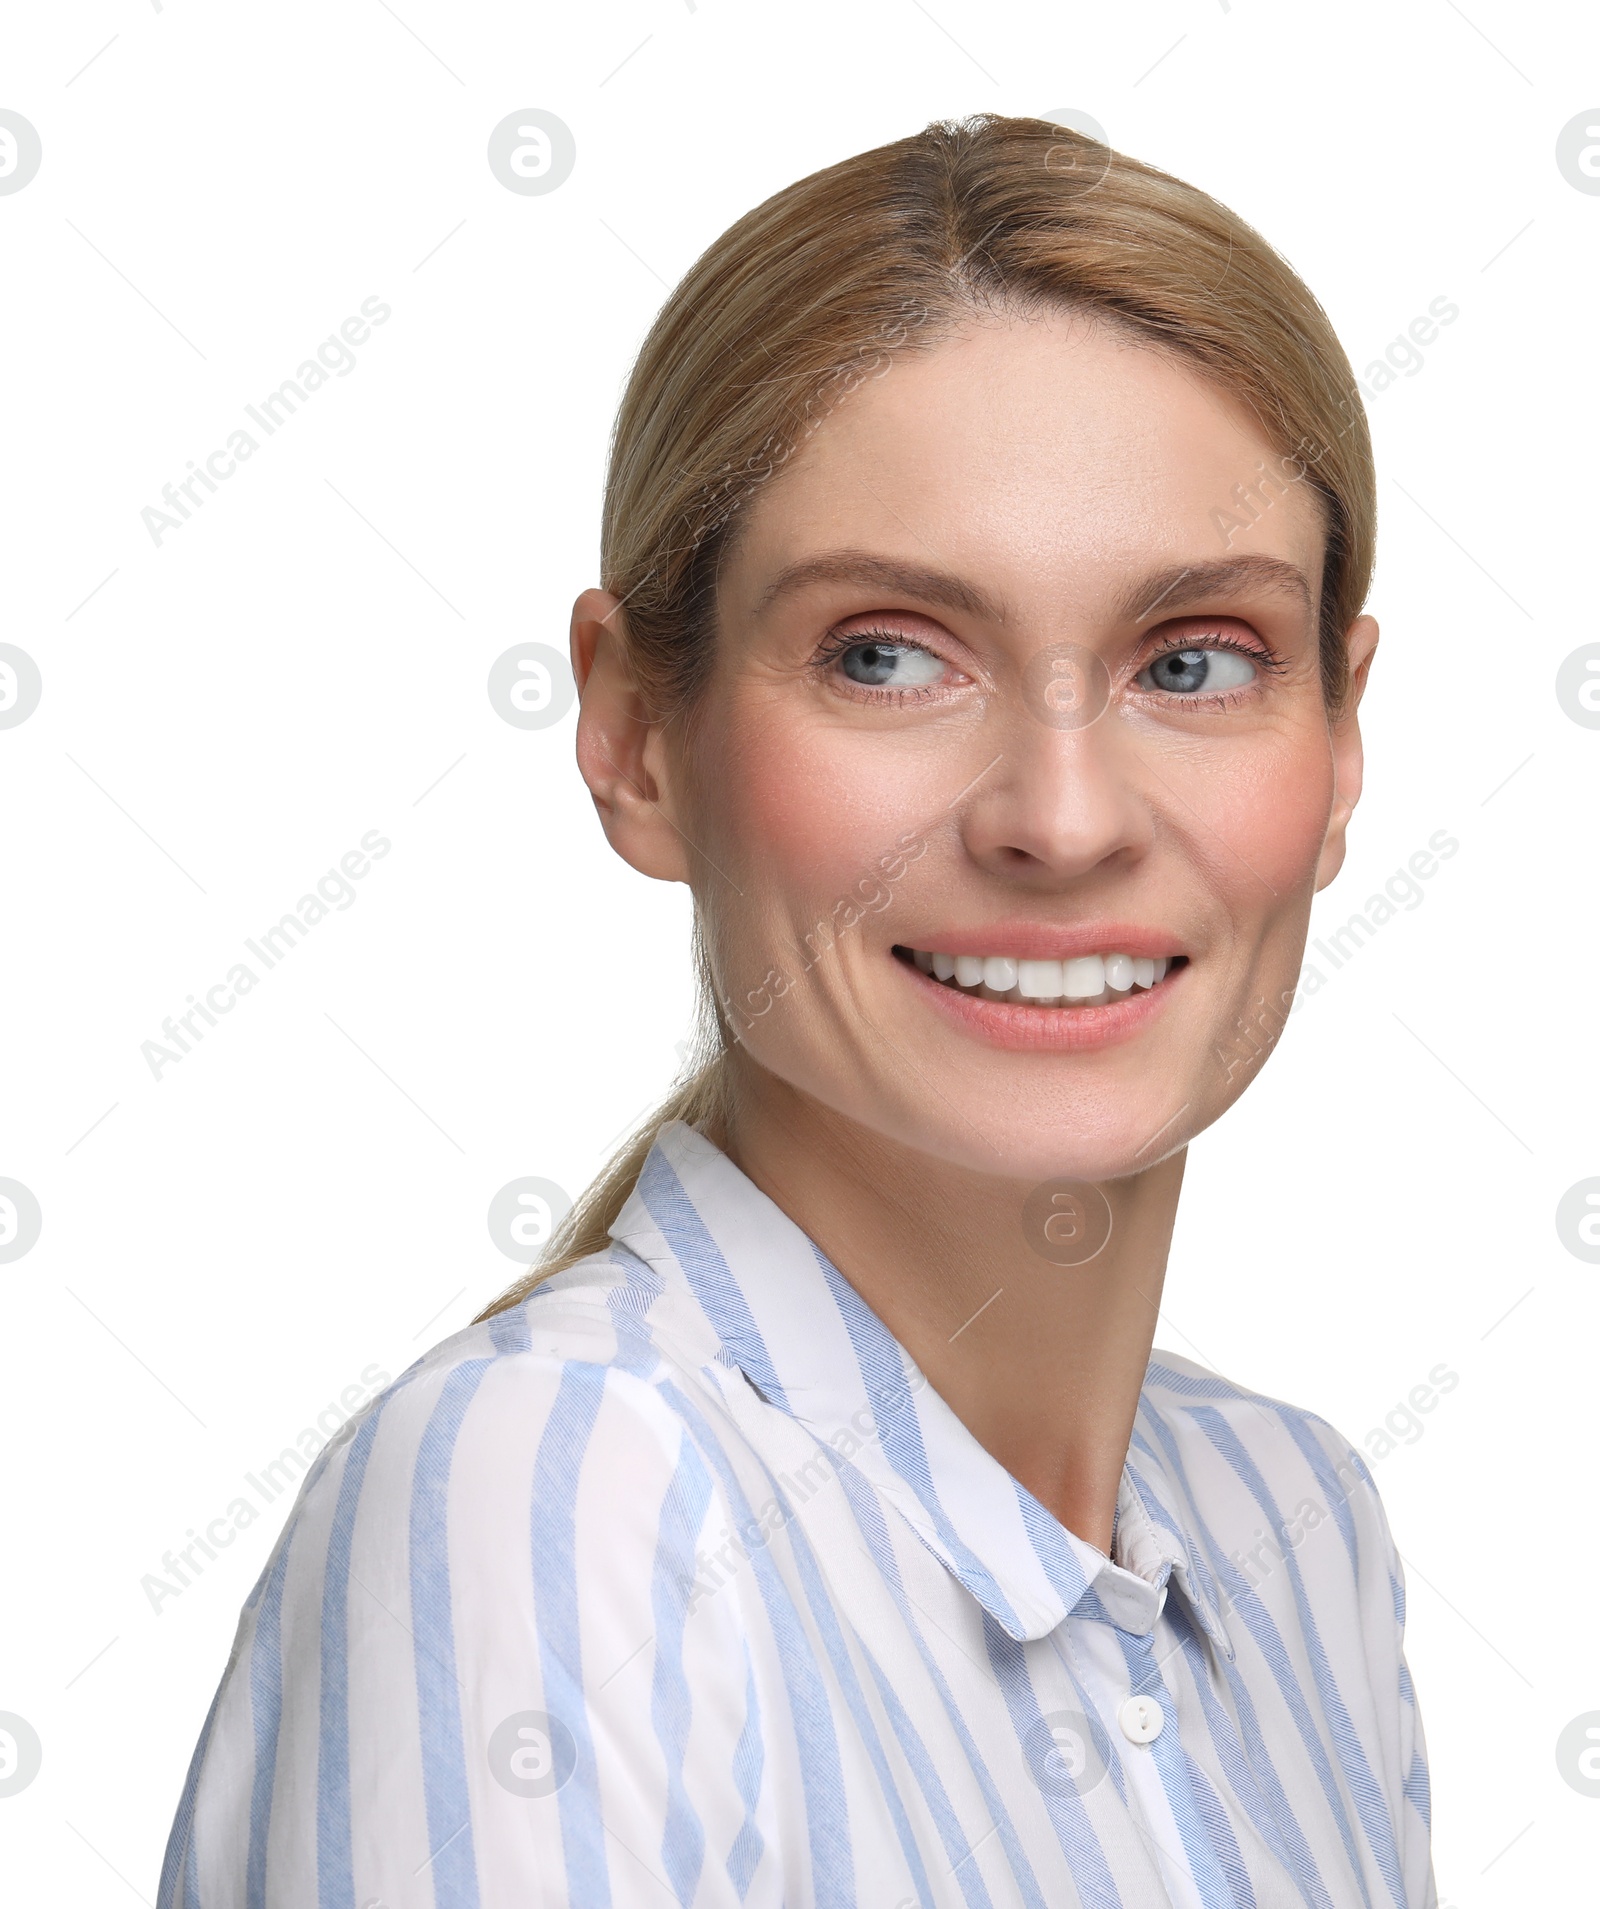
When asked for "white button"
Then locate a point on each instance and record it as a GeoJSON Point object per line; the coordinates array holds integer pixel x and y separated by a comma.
{"type": "Point", "coordinates": [1141, 1719]}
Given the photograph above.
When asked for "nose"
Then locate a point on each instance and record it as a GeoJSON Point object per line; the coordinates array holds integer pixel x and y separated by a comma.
{"type": "Point", "coordinates": [1058, 803]}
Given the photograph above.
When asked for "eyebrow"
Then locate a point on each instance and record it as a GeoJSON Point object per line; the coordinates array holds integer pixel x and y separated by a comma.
{"type": "Point", "coordinates": [1173, 587]}
{"type": "Point", "coordinates": [880, 573]}
{"type": "Point", "coordinates": [1188, 583]}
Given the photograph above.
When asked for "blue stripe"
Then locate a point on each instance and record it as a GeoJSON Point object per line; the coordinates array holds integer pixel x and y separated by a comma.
{"type": "Point", "coordinates": [821, 1774]}
{"type": "Point", "coordinates": [749, 1758]}
{"type": "Point", "coordinates": [869, 1518]}
{"type": "Point", "coordinates": [266, 1714]}
{"type": "Point", "coordinates": [1062, 1565]}
{"type": "Point", "coordinates": [707, 1272]}
{"type": "Point", "coordinates": [826, 1619]}
{"type": "Point", "coordinates": [335, 1859]}
{"type": "Point", "coordinates": [1172, 1766]}
{"type": "Point", "coordinates": [1375, 1818]}
{"type": "Point", "coordinates": [1208, 1385]}
{"type": "Point", "coordinates": [1243, 1601]}
{"type": "Point", "coordinates": [1250, 1774]}
{"type": "Point", "coordinates": [1086, 1860]}
{"type": "Point", "coordinates": [683, 1839]}
{"type": "Point", "coordinates": [552, 1532]}
{"type": "Point", "coordinates": [1334, 1489]}
{"type": "Point", "coordinates": [509, 1331]}
{"type": "Point", "coordinates": [1214, 1818]}
{"type": "Point", "coordinates": [1201, 1586]}
{"type": "Point", "coordinates": [452, 1864]}
{"type": "Point", "coordinates": [882, 1368]}
{"type": "Point", "coordinates": [956, 1845]}
{"type": "Point", "coordinates": [178, 1864]}
{"type": "Point", "coordinates": [644, 1284]}
{"type": "Point", "coordinates": [1418, 1793]}
{"type": "Point", "coordinates": [1302, 1428]}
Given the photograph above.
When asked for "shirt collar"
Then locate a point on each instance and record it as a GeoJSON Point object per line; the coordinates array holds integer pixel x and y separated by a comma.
{"type": "Point", "coordinates": [810, 1345]}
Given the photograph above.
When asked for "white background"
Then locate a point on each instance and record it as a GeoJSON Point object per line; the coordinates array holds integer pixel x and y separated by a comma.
{"type": "Point", "coordinates": [225, 1249]}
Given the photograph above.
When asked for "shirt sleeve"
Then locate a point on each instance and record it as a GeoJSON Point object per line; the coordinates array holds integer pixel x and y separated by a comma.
{"type": "Point", "coordinates": [1379, 1586]}
{"type": "Point", "coordinates": [467, 1678]}
{"type": "Point", "coordinates": [1416, 1821]}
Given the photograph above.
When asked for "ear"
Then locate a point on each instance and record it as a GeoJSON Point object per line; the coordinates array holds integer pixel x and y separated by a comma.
{"type": "Point", "coordinates": [621, 754]}
{"type": "Point", "coordinates": [1361, 641]}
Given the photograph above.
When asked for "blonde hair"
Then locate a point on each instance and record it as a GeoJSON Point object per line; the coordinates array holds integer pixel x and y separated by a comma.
{"type": "Point", "coordinates": [889, 252]}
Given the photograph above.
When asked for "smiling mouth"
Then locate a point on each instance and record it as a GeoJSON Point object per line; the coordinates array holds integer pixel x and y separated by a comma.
{"type": "Point", "coordinates": [1086, 981]}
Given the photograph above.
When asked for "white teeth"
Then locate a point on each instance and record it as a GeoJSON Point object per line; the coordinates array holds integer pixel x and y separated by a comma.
{"type": "Point", "coordinates": [1039, 980]}
{"type": "Point", "coordinates": [1085, 978]}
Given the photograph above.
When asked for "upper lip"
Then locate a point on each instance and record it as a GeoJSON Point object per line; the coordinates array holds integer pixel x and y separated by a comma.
{"type": "Point", "coordinates": [1041, 941]}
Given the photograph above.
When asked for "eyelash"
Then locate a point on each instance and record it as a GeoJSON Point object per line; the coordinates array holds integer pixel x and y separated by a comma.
{"type": "Point", "coordinates": [1263, 658]}
{"type": "Point", "coordinates": [835, 645]}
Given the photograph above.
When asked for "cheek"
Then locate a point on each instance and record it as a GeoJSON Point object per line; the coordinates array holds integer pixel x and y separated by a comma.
{"type": "Point", "coordinates": [1269, 806]}
{"type": "Point", "coordinates": [809, 813]}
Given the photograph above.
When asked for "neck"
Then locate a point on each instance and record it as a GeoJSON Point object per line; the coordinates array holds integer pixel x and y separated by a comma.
{"type": "Point", "coordinates": [1042, 1363]}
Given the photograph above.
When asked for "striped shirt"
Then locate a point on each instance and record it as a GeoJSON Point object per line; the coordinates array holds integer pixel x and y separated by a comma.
{"type": "Point", "coordinates": [680, 1582]}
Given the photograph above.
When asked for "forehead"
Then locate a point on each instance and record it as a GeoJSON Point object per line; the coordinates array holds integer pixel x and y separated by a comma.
{"type": "Point", "coordinates": [1049, 455]}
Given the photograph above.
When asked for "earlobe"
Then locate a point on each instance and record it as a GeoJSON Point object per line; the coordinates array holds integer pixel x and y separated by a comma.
{"type": "Point", "coordinates": [619, 745]}
{"type": "Point", "coordinates": [1331, 859]}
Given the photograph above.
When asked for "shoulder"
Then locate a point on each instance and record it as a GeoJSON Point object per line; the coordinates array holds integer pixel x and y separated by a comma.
{"type": "Point", "coordinates": [1249, 1426]}
{"type": "Point", "coordinates": [573, 1406]}
{"type": "Point", "coordinates": [597, 1327]}
{"type": "Point", "coordinates": [481, 1550]}
{"type": "Point", "coordinates": [1255, 1469]}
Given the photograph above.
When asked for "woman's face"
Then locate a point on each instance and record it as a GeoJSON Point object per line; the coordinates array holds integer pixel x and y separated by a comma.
{"type": "Point", "coordinates": [1006, 677]}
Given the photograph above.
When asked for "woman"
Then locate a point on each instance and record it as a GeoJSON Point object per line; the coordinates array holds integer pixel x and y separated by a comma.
{"type": "Point", "coordinates": [985, 541]}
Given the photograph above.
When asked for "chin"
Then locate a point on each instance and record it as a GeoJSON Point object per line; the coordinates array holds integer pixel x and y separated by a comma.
{"type": "Point", "coordinates": [1107, 1130]}
{"type": "Point", "coordinates": [1031, 1152]}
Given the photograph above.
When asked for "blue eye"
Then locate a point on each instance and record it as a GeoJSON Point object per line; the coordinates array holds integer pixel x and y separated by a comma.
{"type": "Point", "coordinates": [1183, 672]}
{"type": "Point", "coordinates": [878, 665]}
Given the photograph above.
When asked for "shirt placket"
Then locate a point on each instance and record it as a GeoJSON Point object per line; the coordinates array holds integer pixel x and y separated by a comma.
{"type": "Point", "coordinates": [1145, 1729]}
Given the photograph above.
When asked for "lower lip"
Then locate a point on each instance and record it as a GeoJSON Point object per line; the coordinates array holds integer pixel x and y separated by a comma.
{"type": "Point", "coordinates": [1046, 1030]}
